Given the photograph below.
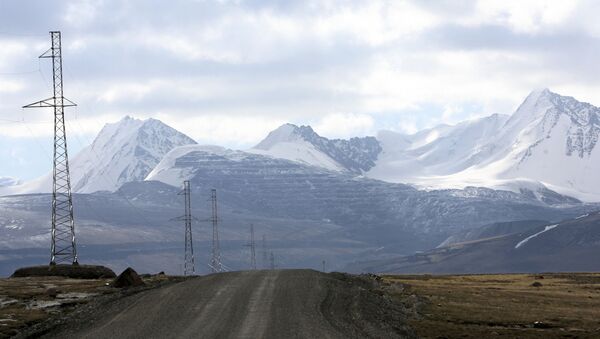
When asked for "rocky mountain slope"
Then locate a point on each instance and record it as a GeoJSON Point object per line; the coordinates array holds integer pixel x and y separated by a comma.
{"type": "Point", "coordinates": [571, 245]}
{"type": "Point", "coordinates": [302, 144]}
{"type": "Point", "coordinates": [368, 209]}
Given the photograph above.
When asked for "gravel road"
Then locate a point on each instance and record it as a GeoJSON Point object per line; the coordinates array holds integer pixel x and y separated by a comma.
{"type": "Point", "coordinates": [249, 304]}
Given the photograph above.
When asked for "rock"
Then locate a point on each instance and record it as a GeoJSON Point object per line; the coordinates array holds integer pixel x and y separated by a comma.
{"type": "Point", "coordinates": [128, 278]}
{"type": "Point", "coordinates": [51, 292]}
{"type": "Point", "coordinates": [537, 284]}
{"type": "Point", "coordinates": [539, 324]}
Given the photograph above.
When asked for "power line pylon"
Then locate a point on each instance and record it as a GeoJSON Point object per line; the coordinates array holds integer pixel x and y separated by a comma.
{"type": "Point", "coordinates": [264, 251]}
{"type": "Point", "coordinates": [272, 261]}
{"type": "Point", "coordinates": [63, 246]}
{"type": "Point", "coordinates": [252, 246]}
{"type": "Point", "coordinates": [215, 262]}
{"type": "Point", "coordinates": [188, 263]}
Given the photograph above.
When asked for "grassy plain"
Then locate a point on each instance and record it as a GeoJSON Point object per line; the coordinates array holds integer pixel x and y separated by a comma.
{"type": "Point", "coordinates": [565, 305]}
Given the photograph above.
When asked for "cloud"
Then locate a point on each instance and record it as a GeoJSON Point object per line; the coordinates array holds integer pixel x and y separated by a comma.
{"type": "Point", "coordinates": [339, 125]}
{"type": "Point", "coordinates": [407, 126]}
{"type": "Point", "coordinates": [235, 132]}
{"type": "Point", "coordinates": [374, 22]}
{"type": "Point", "coordinates": [533, 16]}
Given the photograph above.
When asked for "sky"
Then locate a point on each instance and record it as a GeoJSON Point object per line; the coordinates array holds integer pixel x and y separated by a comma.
{"type": "Point", "coordinates": [228, 72]}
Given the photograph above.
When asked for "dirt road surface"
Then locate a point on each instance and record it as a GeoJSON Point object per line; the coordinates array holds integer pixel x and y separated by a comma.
{"type": "Point", "coordinates": [250, 304]}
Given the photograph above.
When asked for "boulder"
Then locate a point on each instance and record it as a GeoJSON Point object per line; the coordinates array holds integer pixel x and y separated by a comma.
{"type": "Point", "coordinates": [128, 278]}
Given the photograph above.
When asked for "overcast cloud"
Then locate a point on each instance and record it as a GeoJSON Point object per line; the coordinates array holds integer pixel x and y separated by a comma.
{"type": "Point", "coordinates": [228, 72]}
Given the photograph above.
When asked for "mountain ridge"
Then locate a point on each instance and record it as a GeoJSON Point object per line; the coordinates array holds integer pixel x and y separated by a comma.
{"type": "Point", "coordinates": [356, 155]}
{"type": "Point", "coordinates": [122, 152]}
{"type": "Point", "coordinates": [548, 143]}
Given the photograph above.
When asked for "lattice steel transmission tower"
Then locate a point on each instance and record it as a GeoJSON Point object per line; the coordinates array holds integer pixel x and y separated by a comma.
{"type": "Point", "coordinates": [215, 262]}
{"type": "Point", "coordinates": [272, 261]}
{"type": "Point", "coordinates": [188, 263]}
{"type": "Point", "coordinates": [252, 246]}
{"type": "Point", "coordinates": [63, 246]}
{"type": "Point", "coordinates": [265, 258]}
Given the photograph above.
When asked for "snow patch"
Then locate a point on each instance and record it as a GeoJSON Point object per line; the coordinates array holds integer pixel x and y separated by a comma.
{"type": "Point", "coordinates": [168, 172]}
{"type": "Point", "coordinates": [299, 151]}
{"type": "Point", "coordinates": [524, 241]}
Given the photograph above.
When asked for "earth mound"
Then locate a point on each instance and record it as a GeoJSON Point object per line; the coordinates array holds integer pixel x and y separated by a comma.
{"type": "Point", "coordinates": [128, 278]}
{"type": "Point", "coordinates": [68, 271]}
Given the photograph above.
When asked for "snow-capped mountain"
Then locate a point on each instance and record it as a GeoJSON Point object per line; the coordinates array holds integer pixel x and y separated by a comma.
{"type": "Point", "coordinates": [302, 144]}
{"type": "Point", "coordinates": [551, 139]}
{"type": "Point", "coordinates": [437, 151]}
{"type": "Point", "coordinates": [122, 152]}
{"type": "Point", "coordinates": [549, 142]}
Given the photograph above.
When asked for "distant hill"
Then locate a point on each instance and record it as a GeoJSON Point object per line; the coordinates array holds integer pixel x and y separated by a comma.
{"type": "Point", "coordinates": [572, 245]}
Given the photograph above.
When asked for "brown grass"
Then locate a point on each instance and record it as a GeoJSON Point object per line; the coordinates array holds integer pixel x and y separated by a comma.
{"type": "Point", "coordinates": [505, 305]}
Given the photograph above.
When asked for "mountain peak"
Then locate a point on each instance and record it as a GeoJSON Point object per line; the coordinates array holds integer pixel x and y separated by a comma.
{"type": "Point", "coordinates": [287, 133]}
{"type": "Point", "coordinates": [542, 91]}
{"type": "Point", "coordinates": [303, 144]}
{"type": "Point", "coordinates": [124, 151]}
{"type": "Point", "coordinates": [536, 96]}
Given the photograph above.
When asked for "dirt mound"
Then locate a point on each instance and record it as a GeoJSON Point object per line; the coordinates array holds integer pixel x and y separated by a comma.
{"type": "Point", "coordinates": [359, 307]}
{"type": "Point", "coordinates": [69, 271]}
{"type": "Point", "coordinates": [128, 278]}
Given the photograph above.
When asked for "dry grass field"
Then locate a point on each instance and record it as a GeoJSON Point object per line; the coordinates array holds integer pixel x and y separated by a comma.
{"type": "Point", "coordinates": [504, 305]}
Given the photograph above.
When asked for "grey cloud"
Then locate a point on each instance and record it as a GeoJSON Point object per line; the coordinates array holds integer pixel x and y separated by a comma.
{"type": "Point", "coordinates": [292, 75]}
